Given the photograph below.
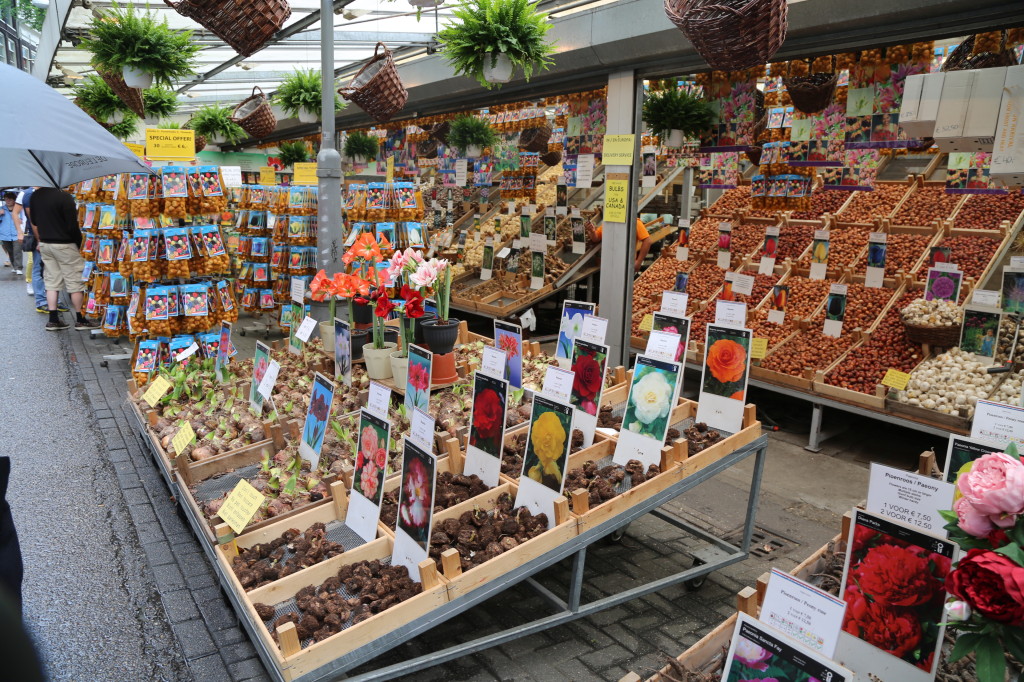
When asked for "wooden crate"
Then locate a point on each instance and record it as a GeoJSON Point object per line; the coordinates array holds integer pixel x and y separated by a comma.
{"type": "Point", "coordinates": [874, 402]}
{"type": "Point", "coordinates": [460, 584]}
{"type": "Point", "coordinates": [292, 662]}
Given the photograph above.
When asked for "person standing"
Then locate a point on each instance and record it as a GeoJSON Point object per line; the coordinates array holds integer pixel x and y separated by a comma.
{"type": "Point", "coordinates": [10, 232]}
{"type": "Point", "coordinates": [55, 225]}
{"type": "Point", "coordinates": [36, 287]}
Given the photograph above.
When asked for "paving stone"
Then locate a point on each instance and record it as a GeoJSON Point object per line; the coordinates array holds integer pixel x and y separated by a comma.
{"type": "Point", "coordinates": [158, 553]}
{"type": "Point", "coordinates": [168, 578]}
{"type": "Point", "coordinates": [605, 657]}
{"type": "Point", "coordinates": [179, 606]}
{"type": "Point", "coordinates": [194, 639]}
{"type": "Point", "coordinates": [252, 667]}
{"type": "Point", "coordinates": [208, 668]}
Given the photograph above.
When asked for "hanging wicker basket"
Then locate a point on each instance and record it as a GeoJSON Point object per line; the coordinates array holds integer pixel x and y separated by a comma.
{"type": "Point", "coordinates": [244, 25]}
{"type": "Point", "coordinates": [551, 158]}
{"type": "Point", "coordinates": [811, 94]}
{"type": "Point", "coordinates": [200, 142]}
{"type": "Point", "coordinates": [254, 114]}
{"type": "Point", "coordinates": [960, 59]}
{"type": "Point", "coordinates": [427, 149]}
{"type": "Point", "coordinates": [440, 132]}
{"type": "Point", "coordinates": [377, 89]}
{"type": "Point", "coordinates": [943, 337]}
{"type": "Point", "coordinates": [753, 154]}
{"type": "Point", "coordinates": [535, 139]}
{"type": "Point", "coordinates": [131, 97]}
{"type": "Point", "coordinates": [731, 34]}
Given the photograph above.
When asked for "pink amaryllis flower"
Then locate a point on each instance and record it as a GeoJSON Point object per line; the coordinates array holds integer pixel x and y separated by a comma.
{"type": "Point", "coordinates": [416, 502]}
{"type": "Point", "coordinates": [419, 378]}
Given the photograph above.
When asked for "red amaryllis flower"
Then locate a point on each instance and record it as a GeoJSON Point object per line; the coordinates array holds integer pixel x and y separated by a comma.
{"type": "Point", "coordinates": [992, 584]}
{"type": "Point", "coordinates": [488, 415]}
{"type": "Point", "coordinates": [320, 407]}
{"type": "Point", "coordinates": [413, 301]}
{"type": "Point", "coordinates": [384, 306]}
{"type": "Point", "coordinates": [507, 343]}
{"type": "Point", "coordinates": [589, 377]}
{"type": "Point", "coordinates": [366, 248]}
{"type": "Point", "coordinates": [418, 377]}
{"type": "Point", "coordinates": [898, 576]}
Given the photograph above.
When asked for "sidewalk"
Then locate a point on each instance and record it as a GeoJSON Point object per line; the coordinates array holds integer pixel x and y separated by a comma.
{"type": "Point", "coordinates": [145, 604]}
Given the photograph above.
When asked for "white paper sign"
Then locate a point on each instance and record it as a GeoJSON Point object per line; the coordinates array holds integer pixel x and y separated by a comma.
{"type": "Point", "coordinates": [878, 237]}
{"type": "Point", "coordinates": [231, 176]}
{"type": "Point", "coordinates": [724, 260]}
{"type": "Point", "coordinates": [683, 253]}
{"type": "Point", "coordinates": [810, 616]}
{"type": "Point", "coordinates": [493, 363]}
{"type": "Point", "coordinates": [558, 383]}
{"type": "Point", "coordinates": [298, 288]}
{"type": "Point", "coordinates": [422, 429]}
{"type": "Point", "coordinates": [1015, 262]}
{"type": "Point", "coordinates": [766, 266]}
{"type": "Point", "coordinates": [269, 378]}
{"type": "Point", "coordinates": [731, 313]}
{"type": "Point", "coordinates": [379, 399]}
{"type": "Point", "coordinates": [985, 297]}
{"type": "Point", "coordinates": [461, 166]}
{"type": "Point", "coordinates": [305, 329]}
{"type": "Point", "coordinates": [874, 278]}
{"type": "Point", "coordinates": [187, 352]}
{"type": "Point", "coordinates": [819, 270]}
{"type": "Point", "coordinates": [909, 498]}
{"type": "Point", "coordinates": [538, 242]}
{"type": "Point", "coordinates": [663, 345]}
{"type": "Point", "coordinates": [673, 303]}
{"type": "Point", "coordinates": [998, 423]}
{"type": "Point", "coordinates": [585, 170]}
{"type": "Point", "coordinates": [594, 329]}
{"type": "Point", "coordinates": [743, 284]}
{"type": "Point", "coordinates": [777, 316]}
{"type": "Point", "coordinates": [503, 253]}
{"type": "Point", "coordinates": [952, 267]}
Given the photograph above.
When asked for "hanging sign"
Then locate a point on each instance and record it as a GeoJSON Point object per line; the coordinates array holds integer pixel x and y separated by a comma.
{"type": "Point", "coordinates": [618, 150]}
{"type": "Point", "coordinates": [305, 174]}
{"type": "Point", "coordinates": [616, 197]}
{"type": "Point", "coordinates": [268, 176]}
{"type": "Point", "coordinates": [170, 144]}
{"type": "Point", "coordinates": [136, 149]}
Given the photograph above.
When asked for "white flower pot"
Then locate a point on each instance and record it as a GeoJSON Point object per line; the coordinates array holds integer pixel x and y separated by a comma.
{"type": "Point", "coordinates": [502, 70]}
{"type": "Point", "coordinates": [378, 360]}
{"type": "Point", "coordinates": [134, 78]}
{"type": "Point", "coordinates": [675, 138]}
{"type": "Point", "coordinates": [359, 159]}
{"type": "Point", "coordinates": [399, 369]}
{"type": "Point", "coordinates": [474, 151]}
{"type": "Point", "coordinates": [306, 116]}
{"type": "Point", "coordinates": [116, 117]}
{"type": "Point", "coordinates": [327, 336]}
{"type": "Point", "coordinates": [151, 121]}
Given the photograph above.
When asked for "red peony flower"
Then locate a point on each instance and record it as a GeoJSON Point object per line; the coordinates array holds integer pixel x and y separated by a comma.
{"type": "Point", "coordinates": [488, 415]}
{"type": "Point", "coordinates": [992, 584]}
{"type": "Point", "coordinates": [887, 628]}
{"type": "Point", "coordinates": [589, 377]}
{"type": "Point", "coordinates": [897, 576]}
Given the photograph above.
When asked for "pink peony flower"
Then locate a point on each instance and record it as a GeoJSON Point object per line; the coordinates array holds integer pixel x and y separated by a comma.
{"type": "Point", "coordinates": [995, 487]}
{"type": "Point", "coordinates": [751, 655]}
{"type": "Point", "coordinates": [970, 520]}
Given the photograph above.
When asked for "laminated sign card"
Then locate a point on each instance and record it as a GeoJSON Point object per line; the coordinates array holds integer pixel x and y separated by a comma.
{"type": "Point", "coordinates": [415, 507]}
{"type": "Point", "coordinates": [509, 338]}
{"type": "Point", "coordinates": [546, 457]}
{"type": "Point", "coordinates": [342, 352]}
{"type": "Point", "coordinates": [652, 395]}
{"type": "Point", "coordinates": [571, 326]}
{"type": "Point", "coordinates": [589, 364]}
{"type": "Point", "coordinates": [417, 382]}
{"type": "Point", "coordinates": [909, 498]}
{"type": "Point", "coordinates": [759, 652]}
{"type": "Point", "coordinates": [805, 613]}
{"type": "Point", "coordinates": [368, 477]}
{"type": "Point", "coordinates": [962, 450]}
{"type": "Point", "coordinates": [486, 428]}
{"type": "Point", "coordinates": [723, 385]}
{"type": "Point", "coordinates": [315, 427]}
{"type": "Point", "coordinates": [260, 362]}
{"type": "Point", "coordinates": [894, 585]}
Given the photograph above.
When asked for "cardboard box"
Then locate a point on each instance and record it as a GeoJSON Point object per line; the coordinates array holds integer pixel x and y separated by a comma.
{"type": "Point", "coordinates": [920, 107]}
{"type": "Point", "coordinates": [952, 114]}
{"type": "Point", "coordinates": [1008, 148]}
{"type": "Point", "coordinates": [983, 110]}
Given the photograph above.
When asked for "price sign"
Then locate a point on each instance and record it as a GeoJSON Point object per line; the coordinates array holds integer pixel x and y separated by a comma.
{"type": "Point", "coordinates": [758, 349]}
{"type": "Point", "coordinates": [305, 173]}
{"type": "Point", "coordinates": [306, 328]}
{"type": "Point", "coordinates": [493, 363]}
{"type": "Point", "coordinates": [616, 197]}
{"type": "Point", "coordinates": [182, 438]}
{"type": "Point", "coordinates": [268, 176]}
{"type": "Point", "coordinates": [156, 390]}
{"type": "Point", "coordinates": [618, 150]}
{"type": "Point", "coordinates": [379, 399]}
{"type": "Point", "coordinates": [389, 170]}
{"type": "Point", "coordinates": [298, 289]}
{"type": "Point", "coordinates": [422, 430]}
{"type": "Point", "coordinates": [647, 323]}
{"type": "Point", "coordinates": [241, 504]}
{"type": "Point", "coordinates": [896, 379]}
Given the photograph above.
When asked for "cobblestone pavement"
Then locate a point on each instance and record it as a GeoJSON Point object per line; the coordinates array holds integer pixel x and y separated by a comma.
{"type": "Point", "coordinates": [193, 633]}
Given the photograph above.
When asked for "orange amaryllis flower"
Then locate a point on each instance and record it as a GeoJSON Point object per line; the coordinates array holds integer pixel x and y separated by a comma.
{"type": "Point", "coordinates": [385, 243]}
{"type": "Point", "coordinates": [366, 248]}
{"type": "Point", "coordinates": [350, 286]}
{"type": "Point", "coordinates": [321, 287]}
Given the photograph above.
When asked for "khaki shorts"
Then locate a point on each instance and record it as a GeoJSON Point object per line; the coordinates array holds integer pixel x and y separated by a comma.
{"type": "Point", "coordinates": [62, 267]}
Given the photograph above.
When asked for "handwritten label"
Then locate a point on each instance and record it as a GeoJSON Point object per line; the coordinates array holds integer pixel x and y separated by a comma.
{"type": "Point", "coordinates": [156, 390]}
{"type": "Point", "coordinates": [187, 352]}
{"type": "Point", "coordinates": [379, 399]}
{"type": "Point", "coordinates": [647, 323]}
{"type": "Point", "coordinates": [585, 170]}
{"type": "Point", "coordinates": [241, 504]}
{"type": "Point", "coordinates": [268, 176]}
{"type": "Point", "coordinates": [758, 348]}
{"type": "Point", "coordinates": [306, 328]}
{"type": "Point", "coordinates": [269, 379]}
{"type": "Point", "coordinates": [896, 379]}
{"type": "Point", "coordinates": [182, 438]}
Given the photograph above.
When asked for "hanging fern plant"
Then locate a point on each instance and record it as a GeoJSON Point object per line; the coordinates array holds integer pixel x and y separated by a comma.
{"type": "Point", "coordinates": [96, 98]}
{"type": "Point", "coordinates": [126, 128]}
{"type": "Point", "coordinates": [159, 102]}
{"type": "Point", "coordinates": [470, 131]}
{"type": "Point", "coordinates": [675, 109]}
{"type": "Point", "coordinates": [215, 122]}
{"type": "Point", "coordinates": [361, 145]}
{"type": "Point", "coordinates": [292, 153]}
{"type": "Point", "coordinates": [301, 91]}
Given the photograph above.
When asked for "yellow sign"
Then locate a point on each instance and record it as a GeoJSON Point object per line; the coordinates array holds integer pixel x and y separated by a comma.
{"type": "Point", "coordinates": [618, 150]}
{"type": "Point", "coordinates": [241, 504]}
{"type": "Point", "coordinates": [136, 149]}
{"type": "Point", "coordinates": [268, 176]}
{"type": "Point", "coordinates": [647, 324]}
{"type": "Point", "coordinates": [305, 174]}
{"type": "Point", "coordinates": [173, 145]}
{"type": "Point", "coordinates": [182, 438]}
{"type": "Point", "coordinates": [616, 196]}
{"type": "Point", "coordinates": [390, 170]}
{"type": "Point", "coordinates": [895, 379]}
{"type": "Point", "coordinates": [156, 390]}
{"type": "Point", "coordinates": [758, 348]}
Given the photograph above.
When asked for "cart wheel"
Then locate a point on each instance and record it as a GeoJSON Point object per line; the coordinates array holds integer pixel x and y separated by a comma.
{"type": "Point", "coordinates": [698, 582]}
{"type": "Point", "coordinates": [242, 332]}
{"type": "Point", "coordinates": [104, 363]}
{"type": "Point", "coordinates": [618, 533]}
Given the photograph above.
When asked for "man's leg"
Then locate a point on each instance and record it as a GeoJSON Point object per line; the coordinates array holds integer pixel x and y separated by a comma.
{"type": "Point", "coordinates": [16, 259]}
{"type": "Point", "coordinates": [76, 303]}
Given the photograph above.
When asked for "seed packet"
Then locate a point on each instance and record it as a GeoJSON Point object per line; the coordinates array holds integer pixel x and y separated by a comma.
{"type": "Point", "coordinates": [176, 243]}
{"type": "Point", "coordinates": [118, 285]}
{"type": "Point", "coordinates": [146, 358]}
{"type": "Point", "coordinates": [195, 300]}
{"type": "Point", "coordinates": [209, 177]}
{"type": "Point", "coordinates": [108, 217]}
{"type": "Point", "coordinates": [212, 240]}
{"type": "Point", "coordinates": [173, 182]}
{"type": "Point", "coordinates": [172, 301]}
{"type": "Point", "coordinates": [156, 303]}
{"type": "Point", "coordinates": [140, 246]}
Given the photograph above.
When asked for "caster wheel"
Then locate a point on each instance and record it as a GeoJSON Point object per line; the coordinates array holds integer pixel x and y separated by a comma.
{"type": "Point", "coordinates": [698, 582]}
{"type": "Point", "coordinates": [104, 363]}
{"type": "Point", "coordinates": [618, 534]}
{"type": "Point", "coordinates": [242, 332]}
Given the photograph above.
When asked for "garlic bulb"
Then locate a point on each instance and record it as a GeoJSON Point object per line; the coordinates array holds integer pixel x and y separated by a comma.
{"type": "Point", "coordinates": [935, 313]}
{"type": "Point", "coordinates": [951, 383]}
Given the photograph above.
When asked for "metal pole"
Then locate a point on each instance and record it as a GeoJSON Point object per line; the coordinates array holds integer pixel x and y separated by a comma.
{"type": "Point", "coordinates": [328, 160]}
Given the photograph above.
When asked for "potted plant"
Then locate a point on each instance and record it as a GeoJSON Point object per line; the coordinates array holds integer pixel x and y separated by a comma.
{"type": "Point", "coordinates": [292, 153]}
{"type": "Point", "coordinates": [361, 147]}
{"type": "Point", "coordinates": [674, 114]}
{"type": "Point", "coordinates": [96, 98]}
{"type": "Point", "coordinates": [403, 265]}
{"type": "Point", "coordinates": [490, 38]}
{"type": "Point", "coordinates": [471, 135]}
{"type": "Point", "coordinates": [159, 103]}
{"type": "Point", "coordinates": [214, 122]}
{"type": "Point", "coordinates": [299, 96]}
{"type": "Point", "coordinates": [126, 128]}
{"type": "Point", "coordinates": [138, 46]}
{"type": "Point", "coordinates": [366, 253]}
